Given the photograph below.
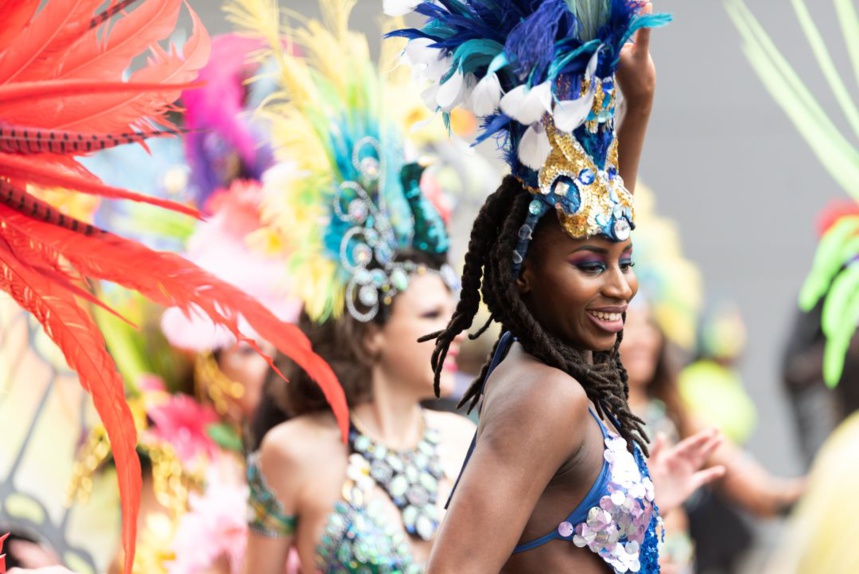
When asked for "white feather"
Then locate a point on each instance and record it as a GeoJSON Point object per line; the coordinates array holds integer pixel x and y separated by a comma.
{"type": "Point", "coordinates": [430, 96]}
{"type": "Point", "coordinates": [418, 52]}
{"type": "Point", "coordinates": [486, 95]}
{"type": "Point", "coordinates": [534, 147]}
{"type": "Point", "coordinates": [525, 105]}
{"type": "Point", "coordinates": [399, 7]}
{"type": "Point", "coordinates": [570, 114]}
{"type": "Point", "coordinates": [451, 91]}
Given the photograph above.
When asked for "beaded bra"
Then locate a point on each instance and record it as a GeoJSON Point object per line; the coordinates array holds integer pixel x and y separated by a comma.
{"type": "Point", "coordinates": [359, 535]}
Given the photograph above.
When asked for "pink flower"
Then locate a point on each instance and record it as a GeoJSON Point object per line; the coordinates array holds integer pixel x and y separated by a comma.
{"type": "Point", "coordinates": [182, 422]}
{"type": "Point", "coordinates": [214, 527]}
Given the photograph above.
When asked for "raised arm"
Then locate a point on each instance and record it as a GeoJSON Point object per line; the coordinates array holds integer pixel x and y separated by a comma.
{"type": "Point", "coordinates": [525, 437]}
{"type": "Point", "coordinates": [636, 77]}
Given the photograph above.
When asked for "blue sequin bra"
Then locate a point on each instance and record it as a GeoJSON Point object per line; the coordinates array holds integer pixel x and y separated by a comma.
{"type": "Point", "coordinates": [618, 518]}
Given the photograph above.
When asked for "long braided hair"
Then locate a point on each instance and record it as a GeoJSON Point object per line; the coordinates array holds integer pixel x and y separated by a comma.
{"type": "Point", "coordinates": [488, 271]}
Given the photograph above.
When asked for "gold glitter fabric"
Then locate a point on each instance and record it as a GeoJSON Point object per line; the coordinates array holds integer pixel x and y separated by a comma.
{"type": "Point", "coordinates": [589, 199]}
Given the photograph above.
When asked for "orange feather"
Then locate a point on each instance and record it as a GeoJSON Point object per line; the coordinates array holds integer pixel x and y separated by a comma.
{"type": "Point", "coordinates": [83, 346]}
{"type": "Point", "coordinates": [43, 37]}
{"type": "Point", "coordinates": [127, 38]}
{"type": "Point", "coordinates": [15, 14]}
{"type": "Point", "coordinates": [38, 169]}
{"type": "Point", "coordinates": [172, 281]}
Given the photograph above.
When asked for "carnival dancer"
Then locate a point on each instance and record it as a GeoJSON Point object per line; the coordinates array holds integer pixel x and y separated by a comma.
{"type": "Point", "coordinates": [62, 95]}
{"type": "Point", "coordinates": [367, 258]}
{"type": "Point", "coordinates": [556, 479]}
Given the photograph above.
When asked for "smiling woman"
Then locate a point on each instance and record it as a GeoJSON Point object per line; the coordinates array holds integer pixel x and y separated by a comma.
{"type": "Point", "coordinates": [556, 471]}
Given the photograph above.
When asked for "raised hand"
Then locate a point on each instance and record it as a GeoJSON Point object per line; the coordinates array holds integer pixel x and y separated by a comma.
{"type": "Point", "coordinates": [676, 471]}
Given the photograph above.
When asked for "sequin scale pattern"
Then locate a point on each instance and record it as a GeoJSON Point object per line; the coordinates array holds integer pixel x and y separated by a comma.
{"type": "Point", "coordinates": [617, 528]}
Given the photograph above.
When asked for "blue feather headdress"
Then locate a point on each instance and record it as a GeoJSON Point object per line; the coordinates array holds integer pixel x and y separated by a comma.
{"type": "Point", "coordinates": [540, 75]}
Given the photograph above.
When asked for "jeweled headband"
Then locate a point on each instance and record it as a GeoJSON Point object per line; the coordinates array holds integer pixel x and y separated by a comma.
{"type": "Point", "coordinates": [343, 200]}
{"type": "Point", "coordinates": [541, 76]}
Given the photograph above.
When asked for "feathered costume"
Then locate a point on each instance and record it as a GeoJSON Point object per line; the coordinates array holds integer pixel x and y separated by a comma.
{"type": "Point", "coordinates": [834, 276]}
{"type": "Point", "coordinates": [342, 199]}
{"type": "Point", "coordinates": [61, 95]}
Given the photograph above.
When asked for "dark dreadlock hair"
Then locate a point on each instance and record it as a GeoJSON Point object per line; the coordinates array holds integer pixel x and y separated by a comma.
{"type": "Point", "coordinates": [488, 271]}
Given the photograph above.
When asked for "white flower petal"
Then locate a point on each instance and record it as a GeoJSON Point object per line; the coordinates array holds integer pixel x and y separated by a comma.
{"type": "Point", "coordinates": [399, 7]}
{"type": "Point", "coordinates": [534, 148]}
{"type": "Point", "coordinates": [486, 95]}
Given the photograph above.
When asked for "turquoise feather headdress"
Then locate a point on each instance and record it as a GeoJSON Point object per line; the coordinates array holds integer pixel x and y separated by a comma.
{"type": "Point", "coordinates": [343, 200]}
{"type": "Point", "coordinates": [540, 74]}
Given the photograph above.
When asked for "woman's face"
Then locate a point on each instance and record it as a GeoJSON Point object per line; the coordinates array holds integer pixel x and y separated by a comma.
{"type": "Point", "coordinates": [641, 345]}
{"type": "Point", "coordinates": [425, 307]}
{"type": "Point", "coordinates": [244, 365]}
{"type": "Point", "coordinates": [578, 289]}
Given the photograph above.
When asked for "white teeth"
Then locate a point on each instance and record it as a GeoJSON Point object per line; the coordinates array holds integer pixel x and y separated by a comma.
{"type": "Point", "coordinates": [606, 316]}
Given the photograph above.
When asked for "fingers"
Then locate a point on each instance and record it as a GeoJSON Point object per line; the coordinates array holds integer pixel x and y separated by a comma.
{"type": "Point", "coordinates": [658, 446]}
{"type": "Point", "coordinates": [642, 37]}
{"type": "Point", "coordinates": [700, 445]}
{"type": "Point", "coordinates": [707, 476]}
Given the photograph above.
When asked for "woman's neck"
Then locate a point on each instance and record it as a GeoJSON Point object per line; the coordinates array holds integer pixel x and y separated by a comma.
{"type": "Point", "coordinates": [392, 418]}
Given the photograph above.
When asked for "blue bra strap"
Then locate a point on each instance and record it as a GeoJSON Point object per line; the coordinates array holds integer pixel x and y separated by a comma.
{"type": "Point", "coordinates": [579, 514]}
{"type": "Point", "coordinates": [500, 352]}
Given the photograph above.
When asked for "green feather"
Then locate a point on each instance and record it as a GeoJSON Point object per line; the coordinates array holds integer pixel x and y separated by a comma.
{"type": "Point", "coordinates": [835, 152]}
{"type": "Point", "coordinates": [841, 294]}
{"type": "Point", "coordinates": [849, 21]}
{"type": "Point", "coordinates": [827, 66]}
{"type": "Point", "coordinates": [827, 261]}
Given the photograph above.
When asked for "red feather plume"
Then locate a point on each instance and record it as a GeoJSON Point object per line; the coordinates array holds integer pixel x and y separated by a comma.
{"type": "Point", "coordinates": [61, 95]}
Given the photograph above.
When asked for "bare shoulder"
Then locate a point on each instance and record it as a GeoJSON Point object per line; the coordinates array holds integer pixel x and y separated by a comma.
{"type": "Point", "coordinates": [529, 401]}
{"type": "Point", "coordinates": [300, 443]}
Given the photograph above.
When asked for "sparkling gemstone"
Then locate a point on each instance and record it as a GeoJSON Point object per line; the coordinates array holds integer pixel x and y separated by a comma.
{"type": "Point", "coordinates": [587, 176]}
{"type": "Point", "coordinates": [565, 529]}
{"type": "Point", "coordinates": [368, 295]}
{"type": "Point", "coordinates": [399, 279]}
{"type": "Point", "coordinates": [398, 486]}
{"type": "Point", "coordinates": [379, 277]}
{"type": "Point", "coordinates": [358, 210]}
{"type": "Point", "coordinates": [621, 229]}
{"type": "Point", "coordinates": [425, 527]}
{"type": "Point", "coordinates": [362, 254]}
{"type": "Point", "coordinates": [536, 207]}
{"type": "Point", "coordinates": [370, 167]}
{"type": "Point", "coordinates": [417, 495]}
{"type": "Point", "coordinates": [561, 187]}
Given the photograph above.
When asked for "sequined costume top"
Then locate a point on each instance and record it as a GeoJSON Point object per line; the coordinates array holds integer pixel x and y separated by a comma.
{"type": "Point", "coordinates": [358, 537]}
{"type": "Point", "coordinates": [618, 518]}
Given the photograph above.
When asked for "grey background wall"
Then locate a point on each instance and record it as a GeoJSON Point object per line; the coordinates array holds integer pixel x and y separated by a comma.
{"type": "Point", "coordinates": [727, 164]}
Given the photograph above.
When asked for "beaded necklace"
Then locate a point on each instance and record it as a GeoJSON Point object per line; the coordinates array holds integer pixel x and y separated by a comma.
{"type": "Point", "coordinates": [409, 477]}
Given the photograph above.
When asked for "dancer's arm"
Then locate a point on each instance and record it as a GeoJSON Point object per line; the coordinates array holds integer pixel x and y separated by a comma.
{"type": "Point", "coordinates": [282, 472]}
{"type": "Point", "coordinates": [636, 77]}
{"type": "Point", "coordinates": [524, 440]}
